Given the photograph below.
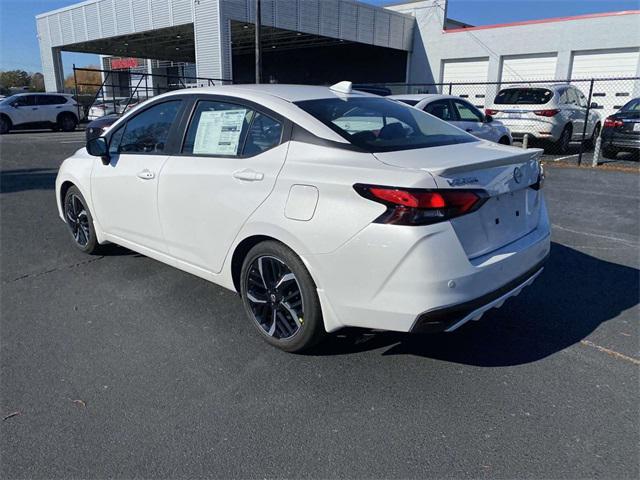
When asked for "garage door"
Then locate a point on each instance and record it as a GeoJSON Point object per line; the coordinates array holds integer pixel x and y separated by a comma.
{"type": "Point", "coordinates": [528, 67]}
{"type": "Point", "coordinates": [466, 71]}
{"type": "Point", "coordinates": [609, 95]}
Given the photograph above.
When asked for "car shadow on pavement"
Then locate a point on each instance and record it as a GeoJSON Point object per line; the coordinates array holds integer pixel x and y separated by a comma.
{"type": "Point", "coordinates": [19, 180]}
{"type": "Point", "coordinates": [571, 298]}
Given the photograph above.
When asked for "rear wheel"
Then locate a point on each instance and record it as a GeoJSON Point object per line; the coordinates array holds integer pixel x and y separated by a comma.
{"type": "Point", "coordinates": [562, 144]}
{"type": "Point", "coordinates": [594, 136]}
{"type": "Point", "coordinates": [80, 221]}
{"type": "Point", "coordinates": [67, 122]}
{"type": "Point", "coordinates": [504, 141]}
{"type": "Point", "coordinates": [280, 297]}
{"type": "Point", "coordinates": [5, 125]}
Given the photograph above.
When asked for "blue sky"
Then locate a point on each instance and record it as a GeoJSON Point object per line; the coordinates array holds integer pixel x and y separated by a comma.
{"type": "Point", "coordinates": [19, 45]}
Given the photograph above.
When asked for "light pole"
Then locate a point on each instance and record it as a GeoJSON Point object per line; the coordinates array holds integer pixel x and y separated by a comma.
{"type": "Point", "coordinates": [258, 45]}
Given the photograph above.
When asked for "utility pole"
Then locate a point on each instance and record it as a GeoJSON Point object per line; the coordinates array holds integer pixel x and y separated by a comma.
{"type": "Point", "coordinates": [258, 44]}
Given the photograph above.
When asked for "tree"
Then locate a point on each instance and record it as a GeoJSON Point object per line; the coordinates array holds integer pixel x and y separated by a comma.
{"type": "Point", "coordinates": [88, 81]}
{"type": "Point", "coordinates": [37, 82]}
{"type": "Point", "coordinates": [14, 78]}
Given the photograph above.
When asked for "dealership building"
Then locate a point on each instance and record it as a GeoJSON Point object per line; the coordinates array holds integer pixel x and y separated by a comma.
{"type": "Point", "coordinates": [324, 41]}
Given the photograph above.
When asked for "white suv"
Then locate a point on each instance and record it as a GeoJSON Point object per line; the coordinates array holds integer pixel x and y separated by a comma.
{"type": "Point", "coordinates": [50, 110]}
{"type": "Point", "coordinates": [554, 113]}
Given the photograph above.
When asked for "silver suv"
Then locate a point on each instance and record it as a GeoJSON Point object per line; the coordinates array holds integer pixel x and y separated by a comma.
{"type": "Point", "coordinates": [58, 111]}
{"type": "Point", "coordinates": [553, 113]}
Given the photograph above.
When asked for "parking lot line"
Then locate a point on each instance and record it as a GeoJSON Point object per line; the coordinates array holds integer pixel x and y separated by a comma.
{"type": "Point", "coordinates": [613, 353]}
{"type": "Point", "coordinates": [607, 237]}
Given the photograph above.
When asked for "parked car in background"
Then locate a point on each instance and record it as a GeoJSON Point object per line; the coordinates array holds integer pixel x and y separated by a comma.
{"type": "Point", "coordinates": [322, 207]}
{"type": "Point", "coordinates": [39, 110]}
{"type": "Point", "coordinates": [621, 131]}
{"type": "Point", "coordinates": [110, 107]}
{"type": "Point", "coordinates": [97, 127]}
{"type": "Point", "coordinates": [549, 113]}
{"type": "Point", "coordinates": [460, 113]}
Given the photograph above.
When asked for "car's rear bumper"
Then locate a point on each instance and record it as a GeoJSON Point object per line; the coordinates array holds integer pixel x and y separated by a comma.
{"type": "Point", "coordinates": [388, 276]}
{"type": "Point", "coordinates": [621, 141]}
{"type": "Point", "coordinates": [450, 318]}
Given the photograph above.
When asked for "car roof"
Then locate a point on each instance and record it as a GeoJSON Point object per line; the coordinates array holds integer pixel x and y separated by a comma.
{"type": "Point", "coordinates": [548, 86]}
{"type": "Point", "coordinates": [22, 94]}
{"type": "Point", "coordinates": [290, 93]}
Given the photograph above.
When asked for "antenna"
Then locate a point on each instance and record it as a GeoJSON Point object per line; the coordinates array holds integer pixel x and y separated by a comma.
{"type": "Point", "coordinates": [342, 87]}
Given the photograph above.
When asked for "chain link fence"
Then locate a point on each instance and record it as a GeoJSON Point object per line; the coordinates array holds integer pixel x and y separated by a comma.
{"type": "Point", "coordinates": [120, 90]}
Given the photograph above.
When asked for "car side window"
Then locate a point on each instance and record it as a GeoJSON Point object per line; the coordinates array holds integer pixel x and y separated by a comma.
{"type": "Point", "coordinates": [217, 129]}
{"type": "Point", "coordinates": [264, 133]}
{"type": "Point", "coordinates": [441, 109]}
{"type": "Point", "coordinates": [25, 101]}
{"type": "Point", "coordinates": [50, 100]}
{"type": "Point", "coordinates": [582, 100]}
{"type": "Point", "coordinates": [467, 112]}
{"type": "Point", "coordinates": [572, 98]}
{"type": "Point", "coordinates": [116, 139]}
{"type": "Point", "coordinates": [148, 131]}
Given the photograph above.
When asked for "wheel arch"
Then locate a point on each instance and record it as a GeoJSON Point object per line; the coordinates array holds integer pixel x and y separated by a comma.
{"type": "Point", "coordinates": [64, 114]}
{"type": "Point", "coordinates": [7, 118]}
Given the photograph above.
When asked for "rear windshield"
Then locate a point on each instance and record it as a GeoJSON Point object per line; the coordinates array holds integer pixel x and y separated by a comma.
{"type": "Point", "coordinates": [381, 125]}
{"type": "Point", "coordinates": [632, 106]}
{"type": "Point", "coordinates": [528, 96]}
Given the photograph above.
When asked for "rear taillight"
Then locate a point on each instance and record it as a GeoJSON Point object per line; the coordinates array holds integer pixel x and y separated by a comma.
{"type": "Point", "coordinates": [490, 111]}
{"type": "Point", "coordinates": [546, 113]}
{"type": "Point", "coordinates": [421, 207]}
{"type": "Point", "coordinates": [611, 122]}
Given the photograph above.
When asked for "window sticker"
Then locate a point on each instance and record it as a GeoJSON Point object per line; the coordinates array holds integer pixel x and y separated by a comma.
{"type": "Point", "coordinates": [219, 132]}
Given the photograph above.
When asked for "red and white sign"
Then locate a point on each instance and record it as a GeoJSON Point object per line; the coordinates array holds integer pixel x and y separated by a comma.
{"type": "Point", "coordinates": [122, 63]}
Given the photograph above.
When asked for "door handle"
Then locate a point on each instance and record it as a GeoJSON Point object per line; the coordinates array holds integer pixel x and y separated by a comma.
{"type": "Point", "coordinates": [146, 174]}
{"type": "Point", "coordinates": [248, 175]}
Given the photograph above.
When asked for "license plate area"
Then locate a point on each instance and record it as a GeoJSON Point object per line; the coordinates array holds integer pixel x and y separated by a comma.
{"type": "Point", "coordinates": [636, 127]}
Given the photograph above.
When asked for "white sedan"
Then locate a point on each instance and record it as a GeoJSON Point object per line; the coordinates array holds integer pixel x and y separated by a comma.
{"type": "Point", "coordinates": [322, 207]}
{"type": "Point", "coordinates": [460, 113]}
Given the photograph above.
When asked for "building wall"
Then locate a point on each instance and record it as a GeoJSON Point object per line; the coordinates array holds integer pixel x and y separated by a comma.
{"type": "Point", "coordinates": [97, 19]}
{"type": "Point", "coordinates": [432, 45]}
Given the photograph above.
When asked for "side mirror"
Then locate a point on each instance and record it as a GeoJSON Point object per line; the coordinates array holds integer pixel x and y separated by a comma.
{"type": "Point", "coordinates": [15, 105]}
{"type": "Point", "coordinates": [488, 118]}
{"type": "Point", "coordinates": [594, 105]}
{"type": "Point", "coordinates": [98, 148]}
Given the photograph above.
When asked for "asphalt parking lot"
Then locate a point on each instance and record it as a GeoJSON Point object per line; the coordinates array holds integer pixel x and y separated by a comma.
{"type": "Point", "coordinates": [119, 366]}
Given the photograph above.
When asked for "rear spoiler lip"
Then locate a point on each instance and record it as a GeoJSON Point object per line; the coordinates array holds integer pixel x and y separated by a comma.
{"type": "Point", "coordinates": [529, 154]}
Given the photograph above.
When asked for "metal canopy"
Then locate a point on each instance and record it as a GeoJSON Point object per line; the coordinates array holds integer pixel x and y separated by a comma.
{"type": "Point", "coordinates": [171, 43]}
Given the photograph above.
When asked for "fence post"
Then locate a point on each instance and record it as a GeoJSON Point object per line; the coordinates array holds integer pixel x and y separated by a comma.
{"type": "Point", "coordinates": [596, 152]}
{"type": "Point", "coordinates": [75, 91]}
{"type": "Point", "coordinates": [525, 141]}
{"type": "Point", "coordinates": [450, 87]}
{"type": "Point", "coordinates": [586, 122]}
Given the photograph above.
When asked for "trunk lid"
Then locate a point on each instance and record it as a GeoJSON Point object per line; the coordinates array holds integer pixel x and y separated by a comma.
{"type": "Point", "coordinates": [504, 174]}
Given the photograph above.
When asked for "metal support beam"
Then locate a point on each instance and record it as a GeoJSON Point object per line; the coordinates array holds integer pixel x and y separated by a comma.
{"type": "Point", "coordinates": [258, 42]}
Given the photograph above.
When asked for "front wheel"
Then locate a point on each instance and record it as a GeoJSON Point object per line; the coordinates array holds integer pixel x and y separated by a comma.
{"type": "Point", "coordinates": [80, 222]}
{"type": "Point", "coordinates": [280, 297]}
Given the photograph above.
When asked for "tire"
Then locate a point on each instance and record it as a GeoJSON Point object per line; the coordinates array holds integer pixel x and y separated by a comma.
{"type": "Point", "coordinates": [67, 122]}
{"type": "Point", "coordinates": [594, 135]}
{"type": "Point", "coordinates": [280, 297]}
{"type": "Point", "coordinates": [504, 141]}
{"type": "Point", "coordinates": [610, 152]}
{"type": "Point", "coordinates": [562, 144]}
{"type": "Point", "coordinates": [80, 221]}
{"type": "Point", "coordinates": [5, 125]}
